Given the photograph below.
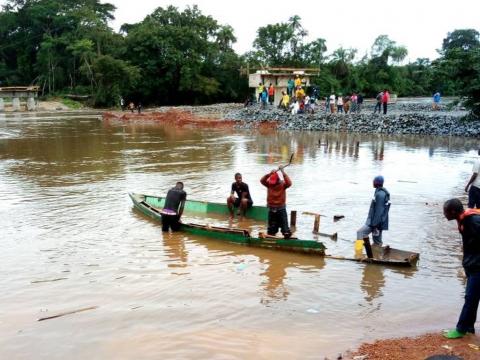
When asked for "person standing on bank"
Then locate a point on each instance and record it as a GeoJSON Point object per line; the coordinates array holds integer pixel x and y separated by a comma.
{"type": "Point", "coordinates": [469, 227]}
{"type": "Point", "coordinates": [473, 186]}
{"type": "Point", "coordinates": [377, 219]}
{"type": "Point", "coordinates": [243, 201]}
{"type": "Point", "coordinates": [173, 208]}
{"type": "Point", "coordinates": [385, 100]}
{"type": "Point", "coordinates": [276, 202]}
{"type": "Point", "coordinates": [378, 104]}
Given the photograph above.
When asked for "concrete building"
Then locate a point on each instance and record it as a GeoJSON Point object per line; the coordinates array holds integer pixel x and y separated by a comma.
{"type": "Point", "coordinates": [279, 78]}
{"type": "Point", "coordinates": [16, 93]}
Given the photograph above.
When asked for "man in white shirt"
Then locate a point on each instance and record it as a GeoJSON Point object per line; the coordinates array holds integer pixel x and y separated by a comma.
{"type": "Point", "coordinates": [332, 103]}
{"type": "Point", "coordinates": [473, 186]}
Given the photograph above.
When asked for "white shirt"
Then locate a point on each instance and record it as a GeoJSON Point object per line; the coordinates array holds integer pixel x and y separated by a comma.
{"type": "Point", "coordinates": [295, 108]}
{"type": "Point", "coordinates": [340, 101]}
{"type": "Point", "coordinates": [332, 99]}
{"type": "Point", "coordinates": [476, 169]}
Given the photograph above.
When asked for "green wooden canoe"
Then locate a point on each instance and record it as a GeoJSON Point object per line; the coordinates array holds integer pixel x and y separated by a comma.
{"type": "Point", "coordinates": [151, 206]}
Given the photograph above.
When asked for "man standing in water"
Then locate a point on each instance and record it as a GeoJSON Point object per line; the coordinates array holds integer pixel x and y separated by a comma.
{"type": "Point", "coordinates": [473, 186]}
{"type": "Point", "coordinates": [173, 208]}
{"type": "Point", "coordinates": [469, 227]}
{"type": "Point", "coordinates": [243, 201]}
{"type": "Point", "coordinates": [377, 219]}
{"type": "Point", "coordinates": [276, 202]}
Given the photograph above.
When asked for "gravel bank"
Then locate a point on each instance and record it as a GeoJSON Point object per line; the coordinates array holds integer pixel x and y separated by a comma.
{"type": "Point", "coordinates": [402, 118]}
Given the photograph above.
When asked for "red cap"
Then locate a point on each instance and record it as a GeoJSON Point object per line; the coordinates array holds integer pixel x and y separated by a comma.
{"type": "Point", "coordinates": [273, 179]}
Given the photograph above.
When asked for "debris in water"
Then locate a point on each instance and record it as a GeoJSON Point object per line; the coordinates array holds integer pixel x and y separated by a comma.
{"type": "Point", "coordinates": [241, 267]}
{"type": "Point", "coordinates": [67, 313]}
{"type": "Point", "coordinates": [49, 280]}
{"type": "Point", "coordinates": [408, 181]}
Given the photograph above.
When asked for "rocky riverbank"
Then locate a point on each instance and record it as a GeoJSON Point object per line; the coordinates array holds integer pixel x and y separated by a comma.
{"type": "Point", "coordinates": [402, 118]}
{"type": "Point", "coordinates": [407, 116]}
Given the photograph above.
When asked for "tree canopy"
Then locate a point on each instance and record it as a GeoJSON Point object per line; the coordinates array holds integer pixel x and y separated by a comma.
{"type": "Point", "coordinates": [178, 56]}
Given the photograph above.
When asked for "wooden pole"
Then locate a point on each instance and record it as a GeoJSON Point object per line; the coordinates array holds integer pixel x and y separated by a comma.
{"type": "Point", "coordinates": [293, 218]}
{"type": "Point", "coordinates": [316, 224]}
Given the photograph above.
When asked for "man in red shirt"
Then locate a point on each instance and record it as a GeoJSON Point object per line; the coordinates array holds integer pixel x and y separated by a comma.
{"type": "Point", "coordinates": [271, 94]}
{"type": "Point", "coordinates": [385, 100]}
{"type": "Point", "coordinates": [276, 202]}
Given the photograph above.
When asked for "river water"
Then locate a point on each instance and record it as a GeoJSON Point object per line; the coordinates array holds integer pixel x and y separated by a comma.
{"type": "Point", "coordinates": [70, 239]}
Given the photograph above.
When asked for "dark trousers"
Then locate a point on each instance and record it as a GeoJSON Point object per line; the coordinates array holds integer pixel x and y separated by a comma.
{"type": "Point", "coordinates": [468, 316]}
{"type": "Point", "coordinates": [385, 108]}
{"type": "Point", "coordinates": [170, 222]}
{"type": "Point", "coordinates": [377, 106]}
{"type": "Point", "coordinates": [474, 197]}
{"type": "Point", "coordinates": [277, 218]}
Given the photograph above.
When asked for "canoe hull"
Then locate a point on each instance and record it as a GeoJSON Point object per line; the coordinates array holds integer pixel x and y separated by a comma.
{"type": "Point", "coordinates": [237, 236]}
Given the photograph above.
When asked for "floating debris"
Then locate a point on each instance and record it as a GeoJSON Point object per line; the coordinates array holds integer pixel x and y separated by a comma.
{"type": "Point", "coordinates": [67, 313]}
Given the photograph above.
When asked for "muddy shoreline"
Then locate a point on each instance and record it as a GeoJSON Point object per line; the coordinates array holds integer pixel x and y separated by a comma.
{"type": "Point", "coordinates": [418, 348]}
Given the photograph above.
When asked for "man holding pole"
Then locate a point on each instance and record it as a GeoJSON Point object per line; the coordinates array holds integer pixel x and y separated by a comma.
{"type": "Point", "coordinates": [277, 182]}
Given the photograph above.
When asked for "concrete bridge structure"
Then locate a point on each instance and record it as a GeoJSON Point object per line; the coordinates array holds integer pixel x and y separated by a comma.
{"type": "Point", "coordinates": [18, 93]}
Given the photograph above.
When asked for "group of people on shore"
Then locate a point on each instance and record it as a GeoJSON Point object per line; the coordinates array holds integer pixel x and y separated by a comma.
{"type": "Point", "coordinates": [297, 101]}
{"type": "Point", "coordinates": [131, 106]}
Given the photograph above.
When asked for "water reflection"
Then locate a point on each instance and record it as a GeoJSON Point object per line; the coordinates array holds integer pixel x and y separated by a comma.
{"type": "Point", "coordinates": [373, 280]}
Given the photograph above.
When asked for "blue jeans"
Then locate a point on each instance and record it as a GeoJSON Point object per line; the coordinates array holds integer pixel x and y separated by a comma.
{"type": "Point", "coordinates": [474, 197]}
{"type": "Point", "coordinates": [366, 230]}
{"type": "Point", "coordinates": [468, 316]}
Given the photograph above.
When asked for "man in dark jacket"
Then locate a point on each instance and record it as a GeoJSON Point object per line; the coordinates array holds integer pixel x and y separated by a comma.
{"type": "Point", "coordinates": [469, 227]}
{"type": "Point", "coordinates": [173, 208]}
{"type": "Point", "coordinates": [276, 202]}
{"type": "Point", "coordinates": [377, 219]}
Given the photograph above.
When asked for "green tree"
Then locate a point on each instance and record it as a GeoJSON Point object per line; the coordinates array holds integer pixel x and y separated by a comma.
{"type": "Point", "coordinates": [458, 66]}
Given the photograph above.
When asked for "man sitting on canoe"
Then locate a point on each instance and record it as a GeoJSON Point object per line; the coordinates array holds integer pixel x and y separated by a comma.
{"type": "Point", "coordinates": [173, 209]}
{"type": "Point", "coordinates": [276, 202]}
{"type": "Point", "coordinates": [243, 201]}
{"type": "Point", "coordinates": [377, 219]}
{"type": "Point", "coordinates": [469, 227]}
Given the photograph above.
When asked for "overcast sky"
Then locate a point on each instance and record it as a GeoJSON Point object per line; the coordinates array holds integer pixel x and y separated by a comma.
{"type": "Point", "coordinates": [420, 25]}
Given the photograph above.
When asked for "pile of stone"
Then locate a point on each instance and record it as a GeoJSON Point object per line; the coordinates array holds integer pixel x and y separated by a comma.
{"type": "Point", "coordinates": [396, 122]}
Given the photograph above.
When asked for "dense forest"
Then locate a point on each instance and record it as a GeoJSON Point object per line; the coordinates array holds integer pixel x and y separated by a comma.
{"type": "Point", "coordinates": [186, 57]}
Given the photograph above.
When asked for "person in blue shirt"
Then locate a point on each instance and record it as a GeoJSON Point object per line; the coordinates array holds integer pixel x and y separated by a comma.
{"type": "Point", "coordinates": [264, 98]}
{"type": "Point", "coordinates": [377, 219]}
{"type": "Point", "coordinates": [436, 101]}
{"type": "Point", "coordinates": [290, 86]}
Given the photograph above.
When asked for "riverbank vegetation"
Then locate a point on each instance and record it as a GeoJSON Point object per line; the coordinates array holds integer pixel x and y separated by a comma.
{"type": "Point", "coordinates": [185, 57]}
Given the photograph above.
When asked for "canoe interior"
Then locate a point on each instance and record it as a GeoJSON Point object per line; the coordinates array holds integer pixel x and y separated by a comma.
{"type": "Point", "coordinates": [255, 212]}
{"type": "Point", "coordinates": [239, 236]}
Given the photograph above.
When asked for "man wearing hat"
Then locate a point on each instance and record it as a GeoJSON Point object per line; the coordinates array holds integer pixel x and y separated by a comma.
{"type": "Point", "coordinates": [377, 219]}
{"type": "Point", "coordinates": [276, 202]}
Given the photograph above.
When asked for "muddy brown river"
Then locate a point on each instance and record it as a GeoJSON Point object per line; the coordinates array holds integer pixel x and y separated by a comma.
{"type": "Point", "coordinates": [70, 239]}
